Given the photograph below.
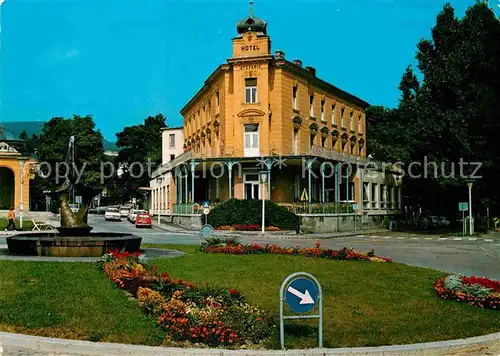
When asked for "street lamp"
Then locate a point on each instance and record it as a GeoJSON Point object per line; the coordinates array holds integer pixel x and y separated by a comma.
{"type": "Point", "coordinates": [470, 183]}
{"type": "Point", "coordinates": [263, 179]}
{"type": "Point", "coordinates": [159, 180]}
{"type": "Point", "coordinates": [21, 207]}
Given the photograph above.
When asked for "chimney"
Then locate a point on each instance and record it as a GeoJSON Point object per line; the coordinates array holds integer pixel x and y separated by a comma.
{"type": "Point", "coordinates": [311, 70]}
{"type": "Point", "coordinates": [298, 63]}
{"type": "Point", "coordinates": [280, 54]}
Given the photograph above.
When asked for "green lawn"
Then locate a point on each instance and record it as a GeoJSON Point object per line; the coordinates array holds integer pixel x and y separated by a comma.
{"type": "Point", "coordinates": [365, 303]}
{"type": "Point", "coordinates": [27, 224]}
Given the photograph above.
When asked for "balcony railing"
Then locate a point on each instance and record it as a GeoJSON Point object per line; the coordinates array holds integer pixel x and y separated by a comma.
{"type": "Point", "coordinates": [330, 153]}
{"type": "Point", "coordinates": [318, 208]}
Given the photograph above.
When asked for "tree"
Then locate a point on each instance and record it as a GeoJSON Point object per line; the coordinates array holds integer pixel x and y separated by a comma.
{"type": "Point", "coordinates": [452, 114]}
{"type": "Point", "coordinates": [23, 135]}
{"type": "Point", "coordinates": [140, 148]}
{"type": "Point", "coordinates": [52, 154]}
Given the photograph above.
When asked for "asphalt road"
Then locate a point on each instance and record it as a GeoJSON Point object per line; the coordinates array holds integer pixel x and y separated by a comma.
{"type": "Point", "coordinates": [479, 257]}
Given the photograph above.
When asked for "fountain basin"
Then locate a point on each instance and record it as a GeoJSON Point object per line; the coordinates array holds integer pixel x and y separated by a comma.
{"type": "Point", "coordinates": [56, 245]}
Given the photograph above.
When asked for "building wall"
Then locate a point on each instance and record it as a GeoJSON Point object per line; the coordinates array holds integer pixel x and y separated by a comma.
{"type": "Point", "coordinates": [167, 151]}
{"type": "Point", "coordinates": [305, 88]}
{"type": "Point", "coordinates": [204, 118]}
{"type": "Point", "coordinates": [273, 111]}
{"type": "Point", "coordinates": [12, 162]}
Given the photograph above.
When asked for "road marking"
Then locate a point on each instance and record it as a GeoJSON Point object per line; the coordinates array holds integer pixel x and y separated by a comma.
{"type": "Point", "coordinates": [457, 239]}
{"type": "Point", "coordinates": [387, 237]}
{"type": "Point", "coordinates": [443, 238]}
{"type": "Point", "coordinates": [428, 238]}
{"type": "Point", "coordinates": [360, 236]}
{"type": "Point", "coordinates": [472, 238]}
{"type": "Point", "coordinates": [488, 240]}
{"type": "Point", "coordinates": [414, 238]}
{"type": "Point", "coordinates": [401, 238]}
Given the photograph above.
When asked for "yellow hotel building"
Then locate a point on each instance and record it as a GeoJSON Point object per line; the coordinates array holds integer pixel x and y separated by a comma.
{"type": "Point", "coordinates": [261, 112]}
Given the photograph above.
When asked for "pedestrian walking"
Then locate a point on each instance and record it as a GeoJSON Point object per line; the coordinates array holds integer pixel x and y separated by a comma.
{"type": "Point", "coordinates": [11, 216]}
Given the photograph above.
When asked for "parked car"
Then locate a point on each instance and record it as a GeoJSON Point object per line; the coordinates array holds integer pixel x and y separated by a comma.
{"type": "Point", "coordinates": [143, 220]}
{"type": "Point", "coordinates": [112, 214]}
{"type": "Point", "coordinates": [124, 211]}
{"type": "Point", "coordinates": [132, 215]}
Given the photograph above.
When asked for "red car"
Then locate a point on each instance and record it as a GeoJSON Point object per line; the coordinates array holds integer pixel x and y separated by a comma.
{"type": "Point", "coordinates": [143, 220]}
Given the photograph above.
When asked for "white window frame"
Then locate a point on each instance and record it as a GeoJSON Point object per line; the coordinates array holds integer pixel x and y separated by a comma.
{"type": "Point", "coordinates": [351, 121]}
{"type": "Point", "coordinates": [251, 93]}
{"type": "Point", "coordinates": [333, 114]}
{"type": "Point", "coordinates": [311, 105]}
{"type": "Point", "coordinates": [170, 143]}
{"type": "Point", "coordinates": [253, 183]}
{"type": "Point", "coordinates": [323, 102]}
{"type": "Point", "coordinates": [295, 91]}
{"type": "Point", "coordinates": [217, 101]}
{"type": "Point", "coordinates": [295, 142]}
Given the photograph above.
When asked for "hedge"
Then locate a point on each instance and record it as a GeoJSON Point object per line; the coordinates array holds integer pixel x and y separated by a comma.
{"type": "Point", "coordinates": [249, 212]}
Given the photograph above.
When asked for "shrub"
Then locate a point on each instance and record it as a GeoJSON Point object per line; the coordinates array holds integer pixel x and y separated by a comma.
{"type": "Point", "coordinates": [249, 212]}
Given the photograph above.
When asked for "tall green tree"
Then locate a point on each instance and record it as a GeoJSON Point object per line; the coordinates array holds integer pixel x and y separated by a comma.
{"type": "Point", "coordinates": [52, 153]}
{"type": "Point", "coordinates": [140, 151]}
{"type": "Point", "coordinates": [452, 114]}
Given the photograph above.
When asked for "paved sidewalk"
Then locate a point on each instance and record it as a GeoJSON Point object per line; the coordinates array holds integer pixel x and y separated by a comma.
{"type": "Point", "coordinates": [287, 235]}
{"type": "Point", "coordinates": [24, 345]}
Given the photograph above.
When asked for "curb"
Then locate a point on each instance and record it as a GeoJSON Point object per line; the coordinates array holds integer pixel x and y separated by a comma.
{"type": "Point", "coordinates": [77, 347]}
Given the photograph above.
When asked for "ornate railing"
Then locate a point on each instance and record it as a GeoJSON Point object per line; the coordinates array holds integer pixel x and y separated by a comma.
{"type": "Point", "coordinates": [330, 153]}
{"type": "Point", "coordinates": [318, 208]}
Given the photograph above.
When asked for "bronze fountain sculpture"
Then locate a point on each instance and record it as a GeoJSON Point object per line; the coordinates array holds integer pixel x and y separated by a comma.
{"type": "Point", "coordinates": [73, 238]}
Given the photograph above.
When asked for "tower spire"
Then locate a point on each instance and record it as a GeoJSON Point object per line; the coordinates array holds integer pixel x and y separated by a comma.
{"type": "Point", "coordinates": [251, 8]}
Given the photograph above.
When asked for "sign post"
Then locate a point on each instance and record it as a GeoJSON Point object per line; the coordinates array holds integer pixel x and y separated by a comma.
{"type": "Point", "coordinates": [206, 211]}
{"type": "Point", "coordinates": [463, 207]}
{"type": "Point", "coordinates": [302, 293]}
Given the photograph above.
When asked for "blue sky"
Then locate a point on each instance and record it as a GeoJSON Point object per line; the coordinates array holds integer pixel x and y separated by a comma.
{"type": "Point", "coordinates": [122, 60]}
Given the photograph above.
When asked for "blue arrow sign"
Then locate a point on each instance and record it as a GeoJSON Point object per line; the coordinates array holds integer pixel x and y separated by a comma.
{"type": "Point", "coordinates": [301, 295]}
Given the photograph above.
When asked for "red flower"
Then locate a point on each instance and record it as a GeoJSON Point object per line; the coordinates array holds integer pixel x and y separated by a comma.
{"type": "Point", "coordinates": [233, 292]}
{"type": "Point", "coordinates": [317, 244]}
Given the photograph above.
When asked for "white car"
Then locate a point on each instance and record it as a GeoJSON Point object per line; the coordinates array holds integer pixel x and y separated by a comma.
{"type": "Point", "coordinates": [112, 214]}
{"type": "Point", "coordinates": [132, 215]}
{"type": "Point", "coordinates": [124, 212]}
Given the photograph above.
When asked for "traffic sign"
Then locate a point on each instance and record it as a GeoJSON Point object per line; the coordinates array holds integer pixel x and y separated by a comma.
{"type": "Point", "coordinates": [302, 293]}
{"type": "Point", "coordinates": [134, 200]}
{"type": "Point", "coordinates": [463, 206]}
{"type": "Point", "coordinates": [206, 211]}
{"type": "Point", "coordinates": [355, 206]}
{"type": "Point", "coordinates": [304, 196]}
{"type": "Point", "coordinates": [78, 199]}
{"type": "Point", "coordinates": [206, 204]}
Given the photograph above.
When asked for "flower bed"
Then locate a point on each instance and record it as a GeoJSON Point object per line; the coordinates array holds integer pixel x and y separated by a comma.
{"type": "Point", "coordinates": [475, 291]}
{"type": "Point", "coordinates": [187, 312]}
{"type": "Point", "coordinates": [232, 247]}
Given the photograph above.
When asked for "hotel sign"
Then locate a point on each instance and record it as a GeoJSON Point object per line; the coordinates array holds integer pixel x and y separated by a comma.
{"type": "Point", "coordinates": [250, 48]}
